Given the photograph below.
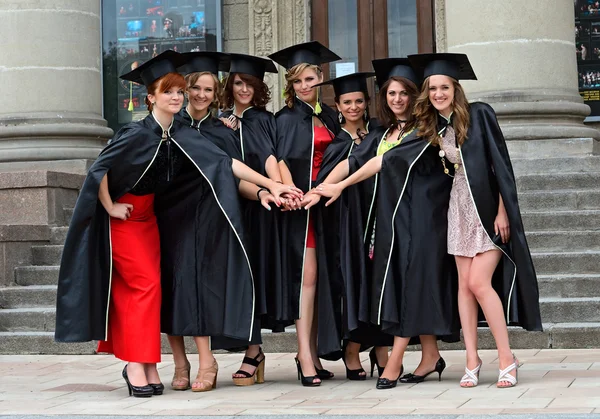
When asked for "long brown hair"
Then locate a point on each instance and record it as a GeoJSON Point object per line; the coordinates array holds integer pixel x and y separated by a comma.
{"type": "Point", "coordinates": [427, 115]}
{"type": "Point", "coordinates": [261, 91]}
{"type": "Point", "coordinates": [385, 114]}
{"type": "Point", "coordinates": [292, 74]}
{"type": "Point", "coordinates": [192, 78]}
{"type": "Point", "coordinates": [162, 84]}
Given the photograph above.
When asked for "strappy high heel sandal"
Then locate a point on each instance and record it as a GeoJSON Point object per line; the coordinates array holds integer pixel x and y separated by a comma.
{"type": "Point", "coordinates": [504, 375]}
{"type": "Point", "coordinates": [208, 377]}
{"type": "Point", "coordinates": [309, 381]}
{"type": "Point", "coordinates": [182, 375]}
{"type": "Point", "coordinates": [375, 362]}
{"type": "Point", "coordinates": [471, 376]}
{"type": "Point", "coordinates": [259, 371]}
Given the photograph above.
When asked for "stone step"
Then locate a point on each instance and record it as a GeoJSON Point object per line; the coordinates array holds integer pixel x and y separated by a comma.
{"type": "Point", "coordinates": [68, 215]}
{"type": "Point", "coordinates": [554, 336]}
{"type": "Point", "coordinates": [570, 310]}
{"type": "Point", "coordinates": [566, 263]}
{"type": "Point", "coordinates": [36, 275]}
{"type": "Point", "coordinates": [569, 285]}
{"type": "Point", "coordinates": [554, 181]}
{"type": "Point", "coordinates": [546, 165]}
{"type": "Point", "coordinates": [58, 235]}
{"type": "Point", "coordinates": [37, 319]}
{"type": "Point", "coordinates": [559, 200]}
{"type": "Point", "coordinates": [31, 296]}
{"type": "Point", "coordinates": [555, 241]}
{"type": "Point", "coordinates": [561, 220]}
{"type": "Point", "coordinates": [46, 254]}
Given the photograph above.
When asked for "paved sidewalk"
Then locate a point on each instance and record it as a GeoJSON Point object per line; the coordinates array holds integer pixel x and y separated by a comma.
{"type": "Point", "coordinates": [551, 382]}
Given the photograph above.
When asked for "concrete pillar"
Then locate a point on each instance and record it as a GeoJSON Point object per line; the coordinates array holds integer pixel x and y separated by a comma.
{"type": "Point", "coordinates": [50, 84]}
{"type": "Point", "coordinates": [523, 53]}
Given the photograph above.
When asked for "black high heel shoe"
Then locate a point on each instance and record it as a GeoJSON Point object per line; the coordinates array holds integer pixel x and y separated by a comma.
{"type": "Point", "coordinates": [323, 374]}
{"type": "Point", "coordinates": [142, 391]}
{"type": "Point", "coordinates": [157, 389]}
{"type": "Point", "coordinates": [354, 375]}
{"type": "Point", "coordinates": [384, 383]}
{"type": "Point", "coordinates": [440, 365]}
{"type": "Point", "coordinates": [306, 381]}
{"type": "Point", "coordinates": [374, 361]}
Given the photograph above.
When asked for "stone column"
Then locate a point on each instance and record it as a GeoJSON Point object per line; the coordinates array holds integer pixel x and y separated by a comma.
{"type": "Point", "coordinates": [523, 53]}
{"type": "Point", "coordinates": [275, 25]}
{"type": "Point", "coordinates": [51, 107]}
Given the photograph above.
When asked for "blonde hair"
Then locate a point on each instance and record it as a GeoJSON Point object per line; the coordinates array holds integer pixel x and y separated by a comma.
{"type": "Point", "coordinates": [293, 74]}
{"type": "Point", "coordinates": [192, 78]}
{"type": "Point", "coordinates": [427, 115]}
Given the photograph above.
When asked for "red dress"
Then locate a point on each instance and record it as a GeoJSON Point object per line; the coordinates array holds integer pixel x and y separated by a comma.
{"type": "Point", "coordinates": [135, 294]}
{"type": "Point", "coordinates": [322, 138]}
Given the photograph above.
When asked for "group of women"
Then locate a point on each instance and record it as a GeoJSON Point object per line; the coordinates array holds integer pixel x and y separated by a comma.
{"type": "Point", "coordinates": [363, 232]}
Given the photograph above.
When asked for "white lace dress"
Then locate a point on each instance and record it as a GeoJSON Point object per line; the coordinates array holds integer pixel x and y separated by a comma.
{"type": "Point", "coordinates": [466, 235]}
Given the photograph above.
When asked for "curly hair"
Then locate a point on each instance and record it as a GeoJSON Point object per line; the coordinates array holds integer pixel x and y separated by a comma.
{"type": "Point", "coordinates": [292, 74]}
{"type": "Point", "coordinates": [427, 115]}
{"type": "Point", "coordinates": [192, 78]}
{"type": "Point", "coordinates": [162, 84]}
{"type": "Point", "coordinates": [385, 114]}
{"type": "Point", "coordinates": [261, 96]}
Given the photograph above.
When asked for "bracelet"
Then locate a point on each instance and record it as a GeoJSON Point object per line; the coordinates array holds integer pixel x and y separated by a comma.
{"type": "Point", "coordinates": [278, 181]}
{"type": "Point", "coordinates": [259, 191]}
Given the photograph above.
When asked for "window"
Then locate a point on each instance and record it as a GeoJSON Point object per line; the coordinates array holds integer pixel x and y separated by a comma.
{"type": "Point", "coordinates": [134, 31]}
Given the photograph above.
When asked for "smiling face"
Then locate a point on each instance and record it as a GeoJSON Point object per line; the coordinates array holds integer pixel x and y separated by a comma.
{"type": "Point", "coordinates": [168, 94]}
{"type": "Point", "coordinates": [202, 93]}
{"type": "Point", "coordinates": [243, 92]}
{"type": "Point", "coordinates": [303, 85]}
{"type": "Point", "coordinates": [441, 94]}
{"type": "Point", "coordinates": [398, 99]}
{"type": "Point", "coordinates": [352, 106]}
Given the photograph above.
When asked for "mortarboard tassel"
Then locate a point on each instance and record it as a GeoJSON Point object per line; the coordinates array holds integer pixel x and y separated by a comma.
{"type": "Point", "coordinates": [130, 107]}
{"type": "Point", "coordinates": [318, 108]}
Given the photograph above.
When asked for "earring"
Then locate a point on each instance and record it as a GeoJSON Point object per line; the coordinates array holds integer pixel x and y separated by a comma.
{"type": "Point", "coordinates": [366, 116]}
{"type": "Point", "coordinates": [341, 118]}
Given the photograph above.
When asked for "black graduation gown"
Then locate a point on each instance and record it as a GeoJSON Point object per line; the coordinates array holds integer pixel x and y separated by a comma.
{"type": "Point", "coordinates": [213, 129]}
{"type": "Point", "coordinates": [489, 172]}
{"type": "Point", "coordinates": [415, 281]}
{"type": "Point", "coordinates": [337, 298]}
{"type": "Point", "coordinates": [295, 147]}
{"type": "Point", "coordinates": [205, 271]}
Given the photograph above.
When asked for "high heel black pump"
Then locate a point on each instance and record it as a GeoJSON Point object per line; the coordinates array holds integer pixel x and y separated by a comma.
{"type": "Point", "coordinates": [306, 381]}
{"type": "Point", "coordinates": [354, 375]}
{"type": "Point", "coordinates": [440, 365]}
{"type": "Point", "coordinates": [142, 391]}
{"type": "Point", "coordinates": [384, 383]}
{"type": "Point", "coordinates": [323, 374]}
{"type": "Point", "coordinates": [157, 389]}
{"type": "Point", "coordinates": [374, 361]}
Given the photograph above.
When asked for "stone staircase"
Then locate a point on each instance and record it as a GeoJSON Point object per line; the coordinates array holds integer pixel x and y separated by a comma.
{"type": "Point", "coordinates": [560, 204]}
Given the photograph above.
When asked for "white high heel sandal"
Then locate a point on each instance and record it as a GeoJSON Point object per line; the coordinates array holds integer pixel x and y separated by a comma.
{"type": "Point", "coordinates": [504, 374]}
{"type": "Point", "coordinates": [471, 376]}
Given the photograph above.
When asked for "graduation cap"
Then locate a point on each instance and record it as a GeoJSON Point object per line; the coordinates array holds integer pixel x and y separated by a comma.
{"type": "Point", "coordinates": [155, 68]}
{"type": "Point", "coordinates": [199, 62]}
{"type": "Point", "coordinates": [355, 82]}
{"type": "Point", "coordinates": [252, 65]}
{"type": "Point", "coordinates": [394, 67]}
{"type": "Point", "coordinates": [312, 52]}
{"type": "Point", "coordinates": [456, 66]}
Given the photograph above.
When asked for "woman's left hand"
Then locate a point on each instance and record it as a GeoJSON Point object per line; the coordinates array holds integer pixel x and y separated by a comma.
{"type": "Point", "coordinates": [267, 198]}
{"type": "Point", "coordinates": [329, 190]}
{"type": "Point", "coordinates": [290, 191]}
{"type": "Point", "coordinates": [502, 226]}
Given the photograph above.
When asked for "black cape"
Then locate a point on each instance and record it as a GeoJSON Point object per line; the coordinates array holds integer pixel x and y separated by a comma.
{"type": "Point", "coordinates": [257, 135]}
{"type": "Point", "coordinates": [337, 298]}
{"type": "Point", "coordinates": [415, 282]}
{"type": "Point", "coordinates": [204, 264]}
{"type": "Point", "coordinates": [295, 147]}
{"type": "Point", "coordinates": [214, 130]}
{"type": "Point", "coordinates": [489, 173]}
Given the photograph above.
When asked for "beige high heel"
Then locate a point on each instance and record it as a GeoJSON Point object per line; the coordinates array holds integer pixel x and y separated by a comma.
{"type": "Point", "coordinates": [181, 374]}
{"type": "Point", "coordinates": [208, 377]}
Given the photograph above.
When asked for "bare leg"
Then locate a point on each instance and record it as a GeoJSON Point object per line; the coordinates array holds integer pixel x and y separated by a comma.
{"type": "Point", "coordinates": [182, 365]}
{"type": "Point", "coordinates": [136, 372]}
{"type": "Point", "coordinates": [152, 373]}
{"type": "Point", "coordinates": [430, 354]}
{"type": "Point", "coordinates": [480, 284]}
{"type": "Point", "coordinates": [394, 363]}
{"type": "Point", "coordinates": [467, 309]}
{"type": "Point", "coordinates": [206, 358]}
{"type": "Point", "coordinates": [305, 322]}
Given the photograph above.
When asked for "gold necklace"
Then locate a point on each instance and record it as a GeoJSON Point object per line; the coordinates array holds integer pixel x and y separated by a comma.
{"type": "Point", "coordinates": [442, 155]}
